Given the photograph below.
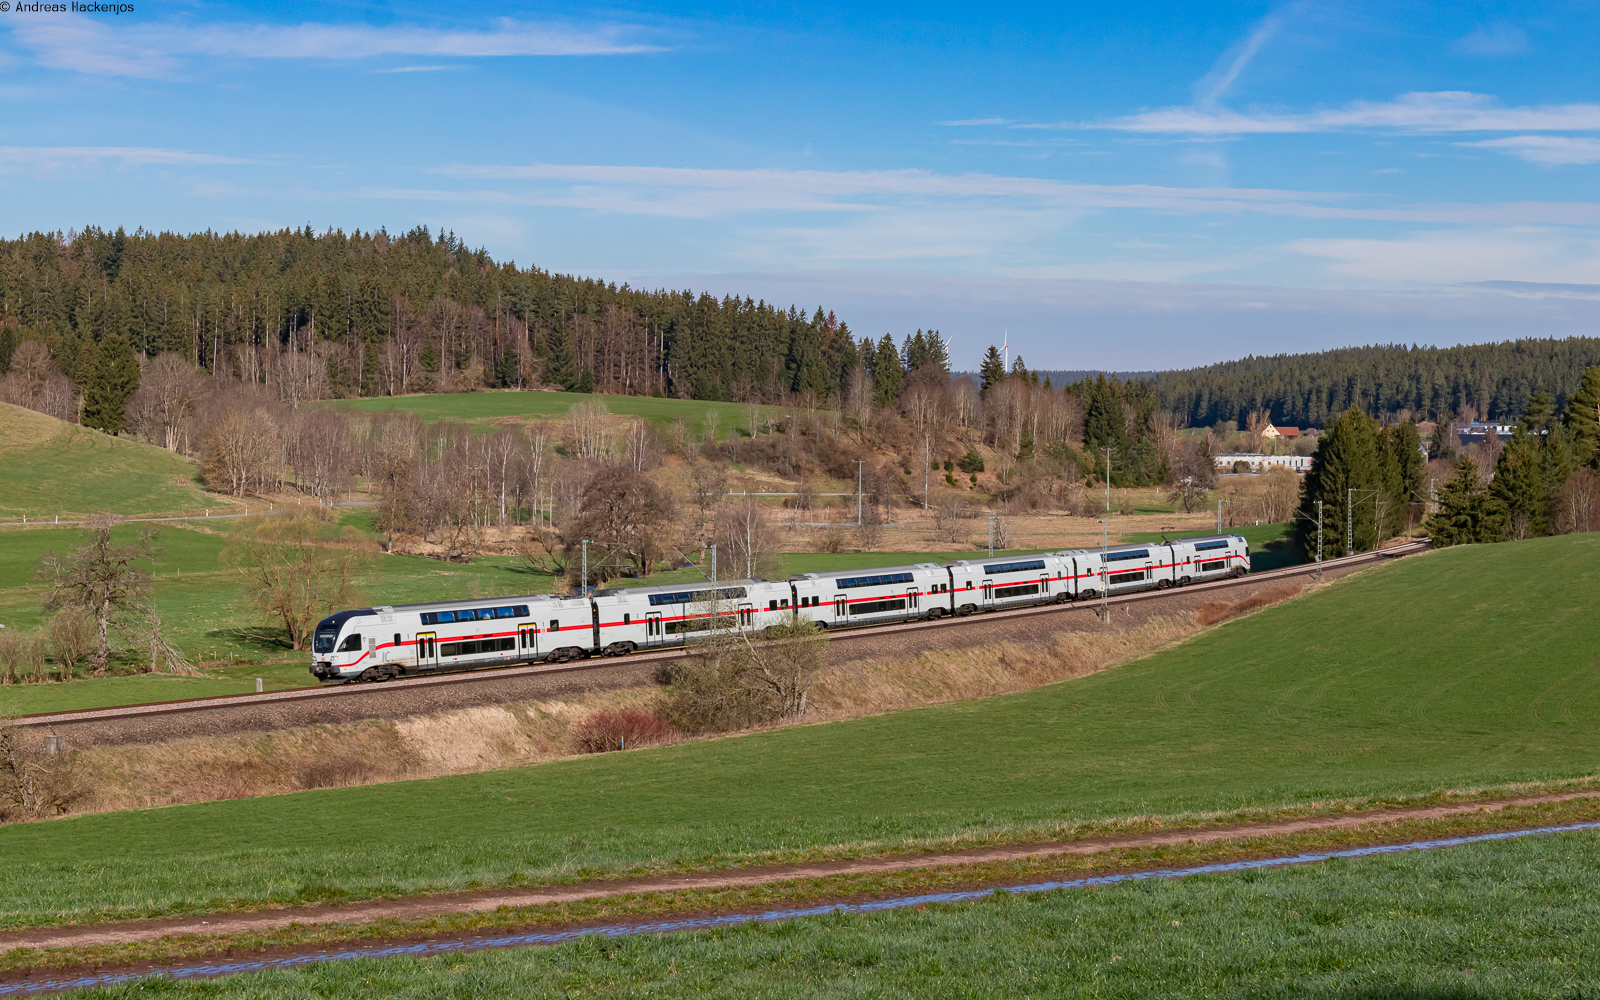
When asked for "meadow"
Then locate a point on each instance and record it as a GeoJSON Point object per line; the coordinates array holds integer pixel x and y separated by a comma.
{"type": "Point", "coordinates": [49, 467]}
{"type": "Point", "coordinates": [1336, 696]}
{"type": "Point", "coordinates": [1502, 920]}
{"type": "Point", "coordinates": [487, 407]}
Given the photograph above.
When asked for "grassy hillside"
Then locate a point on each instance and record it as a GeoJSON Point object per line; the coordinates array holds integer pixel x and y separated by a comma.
{"type": "Point", "coordinates": [490, 406]}
{"type": "Point", "coordinates": [1463, 667]}
{"type": "Point", "coordinates": [1500, 920]}
{"type": "Point", "coordinates": [50, 467]}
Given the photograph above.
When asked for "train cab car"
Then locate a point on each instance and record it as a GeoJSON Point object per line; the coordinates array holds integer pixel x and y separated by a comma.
{"type": "Point", "coordinates": [382, 643]}
{"type": "Point", "coordinates": [1209, 557]}
{"type": "Point", "coordinates": [841, 598]}
{"type": "Point", "coordinates": [1008, 582]}
{"type": "Point", "coordinates": [633, 618]}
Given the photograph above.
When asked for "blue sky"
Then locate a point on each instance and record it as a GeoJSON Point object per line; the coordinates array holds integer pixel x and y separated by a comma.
{"type": "Point", "coordinates": [1115, 185]}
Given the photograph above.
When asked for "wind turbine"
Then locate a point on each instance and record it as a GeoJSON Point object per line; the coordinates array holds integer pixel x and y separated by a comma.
{"type": "Point", "coordinates": [1006, 348]}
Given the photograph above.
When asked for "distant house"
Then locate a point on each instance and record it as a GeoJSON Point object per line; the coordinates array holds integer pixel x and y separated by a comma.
{"type": "Point", "coordinates": [1283, 433]}
{"type": "Point", "coordinates": [1261, 463]}
{"type": "Point", "coordinates": [1478, 432]}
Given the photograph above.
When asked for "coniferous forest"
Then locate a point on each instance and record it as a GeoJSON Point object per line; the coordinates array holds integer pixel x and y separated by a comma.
{"type": "Point", "coordinates": [383, 315]}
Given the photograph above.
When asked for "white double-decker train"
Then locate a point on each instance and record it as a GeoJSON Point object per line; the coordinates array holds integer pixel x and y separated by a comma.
{"type": "Point", "coordinates": [380, 643]}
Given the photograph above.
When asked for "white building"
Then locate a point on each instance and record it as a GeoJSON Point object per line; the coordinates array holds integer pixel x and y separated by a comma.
{"type": "Point", "coordinates": [1261, 463]}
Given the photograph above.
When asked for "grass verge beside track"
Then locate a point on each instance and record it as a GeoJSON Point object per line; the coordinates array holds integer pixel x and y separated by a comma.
{"type": "Point", "coordinates": [1333, 698]}
{"type": "Point", "coordinates": [1502, 920]}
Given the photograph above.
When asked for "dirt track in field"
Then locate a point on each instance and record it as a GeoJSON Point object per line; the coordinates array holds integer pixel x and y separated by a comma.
{"type": "Point", "coordinates": [485, 900]}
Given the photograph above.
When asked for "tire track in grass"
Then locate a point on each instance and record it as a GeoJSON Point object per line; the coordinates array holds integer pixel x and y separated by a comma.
{"type": "Point", "coordinates": [459, 944]}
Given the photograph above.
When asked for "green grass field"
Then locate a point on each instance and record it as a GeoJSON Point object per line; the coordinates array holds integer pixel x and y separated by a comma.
{"type": "Point", "coordinates": [49, 467]}
{"type": "Point", "coordinates": [1495, 920]}
{"type": "Point", "coordinates": [491, 406]}
{"type": "Point", "coordinates": [1463, 667]}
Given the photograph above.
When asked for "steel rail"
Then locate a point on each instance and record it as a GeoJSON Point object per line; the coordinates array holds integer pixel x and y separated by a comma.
{"type": "Point", "coordinates": [484, 674]}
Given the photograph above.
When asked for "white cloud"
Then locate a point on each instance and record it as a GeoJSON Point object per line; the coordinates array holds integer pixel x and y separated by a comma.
{"type": "Point", "coordinates": [1210, 88]}
{"type": "Point", "coordinates": [1435, 111]}
{"type": "Point", "coordinates": [1498, 39]}
{"type": "Point", "coordinates": [1549, 150]}
{"type": "Point", "coordinates": [1524, 254]}
{"type": "Point", "coordinates": [52, 158]}
{"type": "Point", "coordinates": [687, 192]}
{"type": "Point", "coordinates": [90, 46]}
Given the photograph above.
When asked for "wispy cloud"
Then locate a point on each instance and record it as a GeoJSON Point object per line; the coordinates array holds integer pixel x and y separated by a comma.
{"type": "Point", "coordinates": [90, 46]}
{"type": "Point", "coordinates": [60, 157]}
{"type": "Point", "coordinates": [1418, 112]}
{"type": "Point", "coordinates": [1547, 150]}
{"type": "Point", "coordinates": [1498, 39]}
{"type": "Point", "coordinates": [689, 192]}
{"type": "Point", "coordinates": [1210, 88]}
{"type": "Point", "coordinates": [1522, 254]}
{"type": "Point", "coordinates": [415, 69]}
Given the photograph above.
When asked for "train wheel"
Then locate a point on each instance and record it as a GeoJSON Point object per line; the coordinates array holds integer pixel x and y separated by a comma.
{"type": "Point", "coordinates": [369, 674]}
{"type": "Point", "coordinates": [934, 614]}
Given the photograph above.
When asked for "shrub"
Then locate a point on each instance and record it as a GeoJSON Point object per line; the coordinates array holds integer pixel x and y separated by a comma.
{"type": "Point", "coordinates": [619, 729]}
{"type": "Point", "coordinates": [971, 461]}
{"type": "Point", "coordinates": [1212, 612]}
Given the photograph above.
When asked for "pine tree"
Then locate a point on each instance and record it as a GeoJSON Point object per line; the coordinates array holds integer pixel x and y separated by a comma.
{"type": "Point", "coordinates": [887, 375]}
{"type": "Point", "coordinates": [585, 380]}
{"type": "Point", "coordinates": [1103, 424]}
{"type": "Point", "coordinates": [1467, 514]}
{"type": "Point", "coordinates": [993, 370]}
{"type": "Point", "coordinates": [113, 377]}
{"type": "Point", "coordinates": [561, 366]}
{"type": "Point", "coordinates": [1583, 417]}
{"type": "Point", "coordinates": [1519, 484]}
{"type": "Point", "coordinates": [1346, 459]}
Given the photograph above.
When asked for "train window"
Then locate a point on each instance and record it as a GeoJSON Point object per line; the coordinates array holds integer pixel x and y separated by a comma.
{"type": "Point", "coordinates": [626, 618]}
{"type": "Point", "coordinates": [485, 614]}
{"type": "Point", "coordinates": [505, 612]}
{"type": "Point", "coordinates": [555, 625]}
{"type": "Point", "coordinates": [785, 602]}
{"type": "Point", "coordinates": [439, 618]}
{"type": "Point", "coordinates": [772, 605]}
{"type": "Point", "coordinates": [508, 643]}
{"type": "Point", "coordinates": [521, 610]}
{"type": "Point", "coordinates": [397, 638]}
{"type": "Point", "coordinates": [352, 643]}
{"type": "Point", "coordinates": [872, 607]}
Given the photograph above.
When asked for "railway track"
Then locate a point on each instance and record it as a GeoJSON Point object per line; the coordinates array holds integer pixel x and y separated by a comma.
{"type": "Point", "coordinates": [310, 706]}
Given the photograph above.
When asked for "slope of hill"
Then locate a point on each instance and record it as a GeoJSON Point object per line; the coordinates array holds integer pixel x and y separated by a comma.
{"type": "Point", "coordinates": [1301, 389]}
{"type": "Point", "coordinates": [1463, 668]}
{"type": "Point", "coordinates": [49, 467]}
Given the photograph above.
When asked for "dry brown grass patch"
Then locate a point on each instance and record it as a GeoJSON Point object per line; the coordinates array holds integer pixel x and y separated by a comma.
{"type": "Point", "coordinates": [1212, 612]}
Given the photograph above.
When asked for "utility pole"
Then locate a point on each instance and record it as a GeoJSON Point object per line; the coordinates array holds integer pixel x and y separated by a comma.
{"type": "Point", "coordinates": [1219, 515]}
{"type": "Point", "coordinates": [859, 464]}
{"type": "Point", "coordinates": [1105, 543]}
{"type": "Point", "coordinates": [586, 544]}
{"type": "Point", "coordinates": [713, 564]}
{"type": "Point", "coordinates": [1349, 522]}
{"type": "Point", "coordinates": [991, 536]}
{"type": "Point", "coordinates": [1319, 539]}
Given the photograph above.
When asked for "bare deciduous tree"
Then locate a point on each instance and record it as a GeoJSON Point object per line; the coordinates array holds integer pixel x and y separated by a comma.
{"type": "Point", "coordinates": [294, 579]}
{"type": "Point", "coordinates": [586, 430]}
{"type": "Point", "coordinates": [627, 517]}
{"type": "Point", "coordinates": [72, 637]}
{"type": "Point", "coordinates": [241, 453]}
{"type": "Point", "coordinates": [707, 488]}
{"type": "Point", "coordinates": [746, 543]}
{"type": "Point", "coordinates": [102, 578]}
{"type": "Point", "coordinates": [165, 399]}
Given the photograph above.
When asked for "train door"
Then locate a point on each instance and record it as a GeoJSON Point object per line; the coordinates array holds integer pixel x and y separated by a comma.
{"type": "Point", "coordinates": [528, 641]}
{"type": "Point", "coordinates": [1044, 586]}
{"type": "Point", "coordinates": [1150, 573]}
{"type": "Point", "coordinates": [654, 634]}
{"type": "Point", "coordinates": [913, 600]}
{"type": "Point", "coordinates": [747, 615]}
{"type": "Point", "coordinates": [839, 609]}
{"type": "Point", "coordinates": [427, 650]}
{"type": "Point", "coordinates": [988, 592]}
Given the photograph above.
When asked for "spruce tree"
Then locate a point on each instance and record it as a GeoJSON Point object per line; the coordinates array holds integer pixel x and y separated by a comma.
{"type": "Point", "coordinates": [993, 370]}
{"type": "Point", "coordinates": [1467, 514]}
{"type": "Point", "coordinates": [113, 376]}
{"type": "Point", "coordinates": [561, 366]}
{"type": "Point", "coordinates": [887, 375]}
{"type": "Point", "coordinates": [585, 380]}
{"type": "Point", "coordinates": [1104, 425]}
{"type": "Point", "coordinates": [1519, 484]}
{"type": "Point", "coordinates": [1583, 417]}
{"type": "Point", "coordinates": [1346, 459]}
